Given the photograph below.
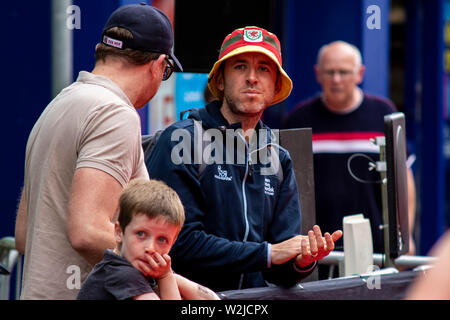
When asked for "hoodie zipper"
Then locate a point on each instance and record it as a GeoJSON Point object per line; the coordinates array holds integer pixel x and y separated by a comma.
{"type": "Point", "coordinates": [248, 171]}
{"type": "Point", "coordinates": [244, 197]}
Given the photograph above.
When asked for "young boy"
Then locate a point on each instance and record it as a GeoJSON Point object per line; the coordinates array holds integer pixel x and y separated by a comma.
{"type": "Point", "coordinates": [150, 218]}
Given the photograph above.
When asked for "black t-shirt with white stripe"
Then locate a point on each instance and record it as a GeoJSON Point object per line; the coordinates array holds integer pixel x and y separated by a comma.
{"type": "Point", "coordinates": [344, 185]}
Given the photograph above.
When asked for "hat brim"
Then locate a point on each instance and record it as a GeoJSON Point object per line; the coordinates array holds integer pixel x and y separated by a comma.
{"type": "Point", "coordinates": [286, 82]}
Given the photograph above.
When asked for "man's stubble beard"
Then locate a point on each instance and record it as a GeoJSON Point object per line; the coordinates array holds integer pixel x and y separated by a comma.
{"type": "Point", "coordinates": [233, 106]}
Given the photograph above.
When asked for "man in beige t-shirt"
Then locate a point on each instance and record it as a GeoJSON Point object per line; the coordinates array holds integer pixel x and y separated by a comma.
{"type": "Point", "coordinates": [82, 151]}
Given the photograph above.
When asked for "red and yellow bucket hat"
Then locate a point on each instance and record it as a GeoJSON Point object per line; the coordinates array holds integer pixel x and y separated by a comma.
{"type": "Point", "coordinates": [252, 39]}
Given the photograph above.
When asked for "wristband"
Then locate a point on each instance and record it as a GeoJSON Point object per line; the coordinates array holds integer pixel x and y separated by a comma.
{"type": "Point", "coordinates": [306, 269]}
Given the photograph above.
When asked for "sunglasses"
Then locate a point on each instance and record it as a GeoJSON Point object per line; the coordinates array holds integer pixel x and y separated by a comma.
{"type": "Point", "coordinates": [168, 70]}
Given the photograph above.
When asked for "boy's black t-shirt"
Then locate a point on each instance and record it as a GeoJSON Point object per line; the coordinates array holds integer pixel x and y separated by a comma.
{"type": "Point", "coordinates": [114, 278]}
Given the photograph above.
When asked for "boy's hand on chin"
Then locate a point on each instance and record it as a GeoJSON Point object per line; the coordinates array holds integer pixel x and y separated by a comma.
{"type": "Point", "coordinates": [156, 266]}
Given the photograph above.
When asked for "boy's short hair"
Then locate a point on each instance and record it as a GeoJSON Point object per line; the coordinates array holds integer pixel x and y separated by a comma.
{"type": "Point", "coordinates": [153, 198]}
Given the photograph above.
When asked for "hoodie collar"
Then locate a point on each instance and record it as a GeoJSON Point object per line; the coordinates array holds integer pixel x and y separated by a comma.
{"type": "Point", "coordinates": [212, 117]}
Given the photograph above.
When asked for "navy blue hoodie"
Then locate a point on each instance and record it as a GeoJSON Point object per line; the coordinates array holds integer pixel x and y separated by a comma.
{"type": "Point", "coordinates": [233, 211]}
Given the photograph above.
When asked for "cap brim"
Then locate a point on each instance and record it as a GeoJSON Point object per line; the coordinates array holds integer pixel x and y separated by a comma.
{"type": "Point", "coordinates": [178, 66]}
{"type": "Point", "coordinates": [286, 82]}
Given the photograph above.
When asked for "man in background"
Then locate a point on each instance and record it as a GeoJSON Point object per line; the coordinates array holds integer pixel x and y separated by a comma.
{"type": "Point", "coordinates": [343, 118]}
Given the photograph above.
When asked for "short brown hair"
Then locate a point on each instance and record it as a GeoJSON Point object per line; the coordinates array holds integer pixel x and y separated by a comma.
{"type": "Point", "coordinates": [153, 198]}
{"type": "Point", "coordinates": [134, 57]}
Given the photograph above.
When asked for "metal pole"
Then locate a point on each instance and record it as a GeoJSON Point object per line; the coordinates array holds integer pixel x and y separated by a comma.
{"type": "Point", "coordinates": [336, 257]}
{"type": "Point", "coordinates": [62, 57]}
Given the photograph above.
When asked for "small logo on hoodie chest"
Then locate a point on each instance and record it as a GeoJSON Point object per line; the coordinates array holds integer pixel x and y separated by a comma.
{"type": "Point", "coordinates": [222, 174]}
{"type": "Point", "coordinates": [268, 188]}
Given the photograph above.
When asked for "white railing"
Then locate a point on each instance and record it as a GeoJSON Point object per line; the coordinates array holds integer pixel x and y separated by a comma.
{"type": "Point", "coordinates": [405, 261]}
{"type": "Point", "coordinates": [10, 258]}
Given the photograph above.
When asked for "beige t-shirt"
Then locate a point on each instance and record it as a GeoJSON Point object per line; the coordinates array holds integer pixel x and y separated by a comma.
{"type": "Point", "coordinates": [92, 124]}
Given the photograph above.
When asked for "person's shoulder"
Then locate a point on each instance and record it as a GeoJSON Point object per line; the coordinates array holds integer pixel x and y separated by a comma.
{"type": "Point", "coordinates": [93, 102]}
{"type": "Point", "coordinates": [380, 102]}
{"type": "Point", "coordinates": [300, 111]}
{"type": "Point", "coordinates": [107, 259]}
{"type": "Point", "coordinates": [113, 263]}
{"type": "Point", "coordinates": [284, 156]}
{"type": "Point", "coordinates": [179, 128]}
{"type": "Point", "coordinates": [93, 92]}
{"type": "Point", "coordinates": [180, 124]}
{"type": "Point", "coordinates": [305, 105]}
{"type": "Point", "coordinates": [157, 144]}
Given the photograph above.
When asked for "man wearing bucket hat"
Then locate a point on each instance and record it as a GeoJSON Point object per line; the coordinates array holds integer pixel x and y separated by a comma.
{"type": "Point", "coordinates": [84, 149]}
{"type": "Point", "coordinates": [242, 221]}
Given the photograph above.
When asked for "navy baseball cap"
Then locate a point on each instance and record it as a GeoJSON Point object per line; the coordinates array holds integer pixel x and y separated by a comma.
{"type": "Point", "coordinates": [150, 27]}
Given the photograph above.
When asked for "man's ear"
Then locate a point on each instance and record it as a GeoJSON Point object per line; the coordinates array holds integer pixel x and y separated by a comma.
{"type": "Point", "coordinates": [218, 79]}
{"type": "Point", "coordinates": [176, 236]}
{"type": "Point", "coordinates": [118, 233]}
{"type": "Point", "coordinates": [278, 83]}
{"type": "Point", "coordinates": [156, 67]}
{"type": "Point", "coordinates": [361, 71]}
{"type": "Point", "coordinates": [317, 73]}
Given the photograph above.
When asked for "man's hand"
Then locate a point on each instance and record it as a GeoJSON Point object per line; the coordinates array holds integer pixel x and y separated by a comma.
{"type": "Point", "coordinates": [314, 247]}
{"type": "Point", "coordinates": [306, 249]}
{"type": "Point", "coordinates": [286, 250]}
